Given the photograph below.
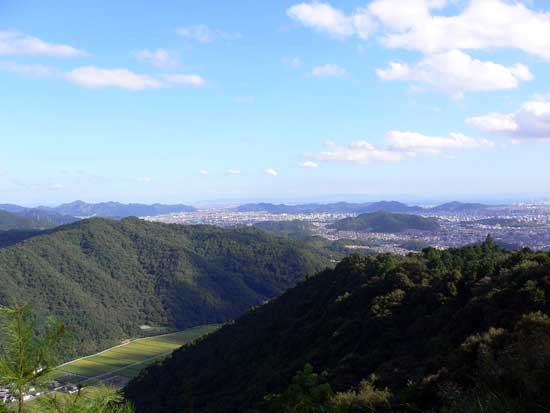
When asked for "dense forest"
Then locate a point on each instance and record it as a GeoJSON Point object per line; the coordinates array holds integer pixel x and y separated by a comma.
{"type": "Point", "coordinates": [461, 330]}
{"type": "Point", "coordinates": [110, 280]}
{"type": "Point", "coordinates": [386, 222]}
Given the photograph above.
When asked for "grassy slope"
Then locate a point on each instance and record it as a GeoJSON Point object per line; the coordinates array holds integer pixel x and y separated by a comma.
{"type": "Point", "coordinates": [128, 359]}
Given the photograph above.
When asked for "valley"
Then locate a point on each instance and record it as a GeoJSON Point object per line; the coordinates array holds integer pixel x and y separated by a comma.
{"type": "Point", "coordinates": [117, 365]}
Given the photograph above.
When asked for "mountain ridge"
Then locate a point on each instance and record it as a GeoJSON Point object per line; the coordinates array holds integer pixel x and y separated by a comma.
{"type": "Point", "coordinates": [106, 278]}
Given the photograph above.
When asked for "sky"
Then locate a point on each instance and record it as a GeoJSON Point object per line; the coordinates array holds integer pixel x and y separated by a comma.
{"type": "Point", "coordinates": [198, 101]}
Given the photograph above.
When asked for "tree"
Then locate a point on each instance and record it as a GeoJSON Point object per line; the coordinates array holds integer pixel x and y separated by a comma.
{"type": "Point", "coordinates": [27, 351]}
{"type": "Point", "coordinates": [99, 399]}
{"type": "Point", "coordinates": [307, 394]}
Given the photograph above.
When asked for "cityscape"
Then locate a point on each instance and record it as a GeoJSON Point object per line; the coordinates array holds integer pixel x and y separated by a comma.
{"type": "Point", "coordinates": [515, 226]}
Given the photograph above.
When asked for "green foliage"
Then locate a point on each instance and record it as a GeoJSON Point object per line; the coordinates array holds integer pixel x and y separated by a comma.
{"type": "Point", "coordinates": [296, 229]}
{"type": "Point", "coordinates": [386, 222]}
{"type": "Point", "coordinates": [99, 399]}
{"type": "Point", "coordinates": [464, 329]}
{"type": "Point", "coordinates": [367, 398]}
{"type": "Point", "coordinates": [104, 279]}
{"type": "Point", "coordinates": [11, 221]}
{"type": "Point", "coordinates": [307, 393]}
{"type": "Point", "coordinates": [27, 351]}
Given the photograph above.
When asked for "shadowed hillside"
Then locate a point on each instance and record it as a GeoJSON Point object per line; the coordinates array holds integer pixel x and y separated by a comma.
{"type": "Point", "coordinates": [463, 330]}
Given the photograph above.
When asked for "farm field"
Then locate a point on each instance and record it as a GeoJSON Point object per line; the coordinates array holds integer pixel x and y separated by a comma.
{"type": "Point", "coordinates": [121, 363]}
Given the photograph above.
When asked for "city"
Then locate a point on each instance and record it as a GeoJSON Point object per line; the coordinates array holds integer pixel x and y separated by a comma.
{"type": "Point", "coordinates": [514, 226]}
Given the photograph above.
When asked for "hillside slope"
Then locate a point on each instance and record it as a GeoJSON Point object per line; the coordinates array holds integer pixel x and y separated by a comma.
{"type": "Point", "coordinates": [11, 221]}
{"type": "Point", "coordinates": [386, 222]}
{"type": "Point", "coordinates": [45, 219]}
{"type": "Point", "coordinates": [463, 330]}
{"type": "Point", "coordinates": [107, 278]}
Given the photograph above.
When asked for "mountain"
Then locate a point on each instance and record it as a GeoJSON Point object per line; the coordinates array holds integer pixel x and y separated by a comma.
{"type": "Point", "coordinates": [107, 279]}
{"type": "Point", "coordinates": [11, 221]}
{"type": "Point", "coordinates": [116, 210]}
{"type": "Point", "coordinates": [295, 228]}
{"type": "Point", "coordinates": [44, 219]}
{"type": "Point", "coordinates": [339, 207]}
{"type": "Point", "coordinates": [461, 330]}
{"type": "Point", "coordinates": [386, 222]}
{"type": "Point", "coordinates": [12, 208]}
{"type": "Point", "coordinates": [460, 208]}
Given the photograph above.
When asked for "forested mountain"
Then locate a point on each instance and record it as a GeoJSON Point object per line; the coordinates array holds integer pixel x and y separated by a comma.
{"type": "Point", "coordinates": [10, 221]}
{"type": "Point", "coordinates": [44, 219]}
{"type": "Point", "coordinates": [107, 278]}
{"type": "Point", "coordinates": [460, 208]}
{"type": "Point", "coordinates": [116, 209]}
{"type": "Point", "coordinates": [386, 222]}
{"type": "Point", "coordinates": [461, 330]}
{"type": "Point", "coordinates": [294, 228]}
{"type": "Point", "coordinates": [338, 207]}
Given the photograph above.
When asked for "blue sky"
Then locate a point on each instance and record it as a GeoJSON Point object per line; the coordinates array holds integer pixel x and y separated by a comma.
{"type": "Point", "coordinates": [187, 101]}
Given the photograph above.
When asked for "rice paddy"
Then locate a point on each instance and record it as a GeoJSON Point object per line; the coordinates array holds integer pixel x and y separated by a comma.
{"type": "Point", "coordinates": [125, 361]}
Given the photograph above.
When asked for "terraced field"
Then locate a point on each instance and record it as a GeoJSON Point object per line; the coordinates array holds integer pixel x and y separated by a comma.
{"type": "Point", "coordinates": [123, 362]}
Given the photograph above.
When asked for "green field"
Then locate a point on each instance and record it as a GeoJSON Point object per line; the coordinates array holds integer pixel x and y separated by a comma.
{"type": "Point", "coordinates": [127, 360]}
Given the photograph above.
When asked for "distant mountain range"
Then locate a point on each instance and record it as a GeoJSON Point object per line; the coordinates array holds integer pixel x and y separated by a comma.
{"type": "Point", "coordinates": [362, 208]}
{"type": "Point", "coordinates": [13, 217]}
{"type": "Point", "coordinates": [386, 222]}
{"type": "Point", "coordinates": [116, 210]}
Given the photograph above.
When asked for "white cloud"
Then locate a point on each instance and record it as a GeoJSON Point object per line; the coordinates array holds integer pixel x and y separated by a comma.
{"type": "Point", "coordinates": [145, 180]}
{"type": "Point", "coordinates": [359, 152]}
{"type": "Point", "coordinates": [483, 24]}
{"type": "Point", "coordinates": [402, 15]}
{"type": "Point", "coordinates": [324, 17]}
{"type": "Point", "coordinates": [184, 79]}
{"type": "Point", "coordinates": [455, 72]}
{"type": "Point", "coordinates": [15, 43]}
{"type": "Point", "coordinates": [412, 24]}
{"type": "Point", "coordinates": [203, 172]}
{"type": "Point", "coordinates": [271, 172]}
{"type": "Point", "coordinates": [494, 122]}
{"type": "Point", "coordinates": [329, 70]}
{"type": "Point", "coordinates": [94, 77]}
{"type": "Point", "coordinates": [308, 164]}
{"type": "Point", "coordinates": [233, 172]}
{"type": "Point", "coordinates": [204, 34]}
{"type": "Point", "coordinates": [400, 146]}
{"type": "Point", "coordinates": [532, 120]}
{"type": "Point", "coordinates": [413, 142]}
{"type": "Point", "coordinates": [56, 186]}
{"type": "Point", "coordinates": [37, 70]}
{"type": "Point", "coordinates": [159, 58]}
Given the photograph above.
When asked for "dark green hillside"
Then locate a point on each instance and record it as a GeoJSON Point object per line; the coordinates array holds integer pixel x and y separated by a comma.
{"type": "Point", "coordinates": [107, 278]}
{"type": "Point", "coordinates": [294, 228]}
{"type": "Point", "coordinates": [386, 222]}
{"type": "Point", "coordinates": [10, 221]}
{"type": "Point", "coordinates": [463, 330]}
